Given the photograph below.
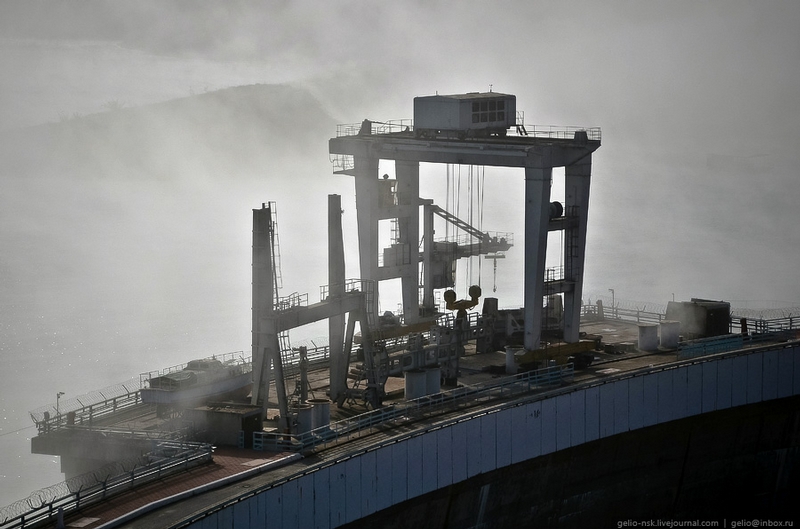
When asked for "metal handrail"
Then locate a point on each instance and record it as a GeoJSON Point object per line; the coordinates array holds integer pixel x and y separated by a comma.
{"type": "Point", "coordinates": [85, 414]}
{"type": "Point", "coordinates": [464, 240]}
{"type": "Point", "coordinates": [415, 409]}
{"type": "Point", "coordinates": [225, 358]}
{"type": "Point", "coordinates": [564, 132]}
{"type": "Point", "coordinates": [591, 312]}
{"type": "Point", "coordinates": [707, 346]}
{"type": "Point", "coordinates": [306, 470]}
{"type": "Point", "coordinates": [376, 127]}
{"type": "Point", "coordinates": [86, 409]}
{"type": "Point", "coordinates": [192, 454]}
{"type": "Point", "coordinates": [758, 325]}
{"type": "Point", "coordinates": [293, 300]}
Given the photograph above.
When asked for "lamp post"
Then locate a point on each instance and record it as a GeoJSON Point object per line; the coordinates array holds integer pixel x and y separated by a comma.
{"type": "Point", "coordinates": [58, 413]}
{"type": "Point", "coordinates": [613, 308]}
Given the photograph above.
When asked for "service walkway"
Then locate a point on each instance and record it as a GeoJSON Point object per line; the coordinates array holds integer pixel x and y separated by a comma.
{"type": "Point", "coordinates": [227, 462]}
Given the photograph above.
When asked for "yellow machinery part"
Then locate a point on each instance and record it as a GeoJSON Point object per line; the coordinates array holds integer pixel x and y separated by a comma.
{"type": "Point", "coordinates": [558, 352]}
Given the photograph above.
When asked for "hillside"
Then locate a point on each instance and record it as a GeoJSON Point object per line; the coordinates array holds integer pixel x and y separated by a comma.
{"type": "Point", "coordinates": [236, 129]}
{"type": "Point", "coordinates": [127, 233]}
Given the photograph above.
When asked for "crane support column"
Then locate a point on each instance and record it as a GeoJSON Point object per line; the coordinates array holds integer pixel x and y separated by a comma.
{"type": "Point", "coordinates": [336, 278]}
{"type": "Point", "coordinates": [272, 354]}
{"type": "Point", "coordinates": [263, 300]}
{"type": "Point", "coordinates": [407, 174]}
{"type": "Point", "coordinates": [577, 180]}
{"type": "Point", "coordinates": [367, 204]}
{"type": "Point", "coordinates": [538, 175]}
{"type": "Point", "coordinates": [427, 257]}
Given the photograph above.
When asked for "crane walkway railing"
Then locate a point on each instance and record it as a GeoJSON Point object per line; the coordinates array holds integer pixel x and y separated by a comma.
{"type": "Point", "coordinates": [368, 127]}
{"type": "Point", "coordinates": [559, 132]}
{"type": "Point", "coordinates": [564, 132]}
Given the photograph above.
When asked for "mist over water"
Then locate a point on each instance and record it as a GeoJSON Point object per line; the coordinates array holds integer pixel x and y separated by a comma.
{"type": "Point", "coordinates": [136, 140]}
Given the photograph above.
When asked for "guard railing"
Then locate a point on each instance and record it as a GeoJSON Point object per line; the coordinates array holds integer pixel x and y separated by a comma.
{"type": "Point", "coordinates": [461, 397]}
{"type": "Point", "coordinates": [96, 486]}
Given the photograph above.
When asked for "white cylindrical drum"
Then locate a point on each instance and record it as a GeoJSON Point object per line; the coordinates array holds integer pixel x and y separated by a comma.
{"type": "Point", "coordinates": [416, 384]}
{"type": "Point", "coordinates": [670, 334]}
{"type": "Point", "coordinates": [648, 336]}
{"type": "Point", "coordinates": [321, 412]}
{"type": "Point", "coordinates": [433, 380]}
{"type": "Point", "coordinates": [511, 362]}
{"type": "Point", "coordinates": [304, 418]}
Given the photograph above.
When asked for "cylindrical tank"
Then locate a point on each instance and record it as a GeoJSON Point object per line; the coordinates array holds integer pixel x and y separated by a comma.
{"type": "Point", "coordinates": [511, 363]}
{"type": "Point", "coordinates": [321, 412]}
{"type": "Point", "coordinates": [670, 332]}
{"type": "Point", "coordinates": [305, 421]}
{"type": "Point", "coordinates": [556, 210]}
{"type": "Point", "coordinates": [433, 380]}
{"type": "Point", "coordinates": [416, 383]}
{"type": "Point", "coordinates": [490, 305]}
{"type": "Point", "coordinates": [648, 336]}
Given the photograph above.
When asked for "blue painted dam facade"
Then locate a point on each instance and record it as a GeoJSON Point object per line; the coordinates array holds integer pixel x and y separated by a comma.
{"type": "Point", "coordinates": [416, 475]}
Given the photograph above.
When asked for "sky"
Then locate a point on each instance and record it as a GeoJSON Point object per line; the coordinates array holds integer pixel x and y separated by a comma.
{"type": "Point", "coordinates": [125, 247]}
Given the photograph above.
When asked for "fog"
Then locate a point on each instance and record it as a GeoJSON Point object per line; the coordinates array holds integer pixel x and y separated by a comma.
{"type": "Point", "coordinates": [136, 139]}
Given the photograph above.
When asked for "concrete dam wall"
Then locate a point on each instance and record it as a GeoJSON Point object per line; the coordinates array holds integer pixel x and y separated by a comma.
{"type": "Point", "coordinates": [713, 437]}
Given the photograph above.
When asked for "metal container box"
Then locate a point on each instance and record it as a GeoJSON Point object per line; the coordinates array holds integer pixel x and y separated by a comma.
{"type": "Point", "coordinates": [464, 115]}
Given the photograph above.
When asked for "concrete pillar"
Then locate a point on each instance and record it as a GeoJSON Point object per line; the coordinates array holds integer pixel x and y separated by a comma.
{"type": "Point", "coordinates": [407, 174]}
{"type": "Point", "coordinates": [336, 278]}
{"type": "Point", "coordinates": [538, 175]}
{"type": "Point", "coordinates": [367, 190]}
{"type": "Point", "coordinates": [577, 180]}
